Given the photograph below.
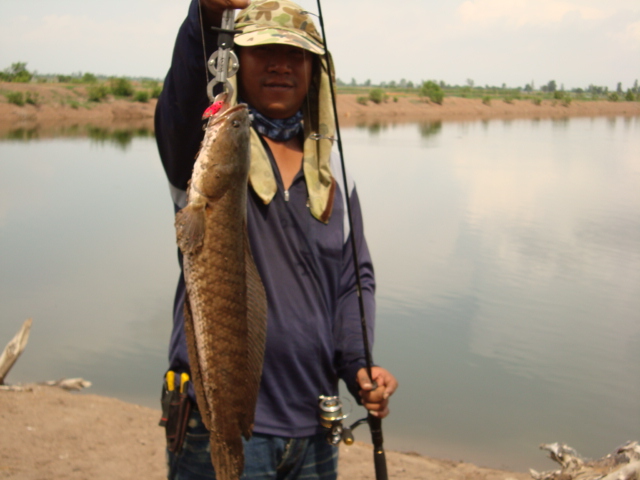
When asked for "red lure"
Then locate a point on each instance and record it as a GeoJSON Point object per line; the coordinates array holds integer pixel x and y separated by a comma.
{"type": "Point", "coordinates": [212, 110]}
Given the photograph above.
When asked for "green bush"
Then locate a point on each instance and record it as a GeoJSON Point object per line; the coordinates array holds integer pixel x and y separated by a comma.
{"type": "Point", "coordinates": [508, 100]}
{"type": "Point", "coordinates": [141, 96]}
{"type": "Point", "coordinates": [536, 101]}
{"type": "Point", "coordinates": [629, 97]}
{"type": "Point", "coordinates": [17, 98]}
{"type": "Point", "coordinates": [558, 95]}
{"type": "Point", "coordinates": [486, 100]}
{"type": "Point", "coordinates": [32, 98]}
{"type": "Point", "coordinates": [64, 78]}
{"type": "Point", "coordinates": [156, 90]}
{"type": "Point", "coordinates": [433, 91]}
{"type": "Point", "coordinates": [89, 78]}
{"type": "Point", "coordinates": [395, 99]}
{"type": "Point", "coordinates": [613, 97]}
{"type": "Point", "coordinates": [97, 93]}
{"type": "Point", "coordinates": [121, 87]}
{"type": "Point", "coordinates": [566, 101]}
{"type": "Point", "coordinates": [17, 73]}
{"type": "Point", "coordinates": [377, 95]}
{"type": "Point", "coordinates": [362, 100]}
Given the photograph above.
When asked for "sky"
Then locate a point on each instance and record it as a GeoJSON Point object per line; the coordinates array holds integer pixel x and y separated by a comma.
{"type": "Point", "coordinates": [487, 42]}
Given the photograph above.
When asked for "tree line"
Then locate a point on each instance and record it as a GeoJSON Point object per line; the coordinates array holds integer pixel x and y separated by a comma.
{"type": "Point", "coordinates": [100, 87]}
{"type": "Point", "coordinates": [471, 90]}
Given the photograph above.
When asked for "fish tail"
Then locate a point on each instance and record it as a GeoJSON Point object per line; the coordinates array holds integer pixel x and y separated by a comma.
{"type": "Point", "coordinates": [227, 457]}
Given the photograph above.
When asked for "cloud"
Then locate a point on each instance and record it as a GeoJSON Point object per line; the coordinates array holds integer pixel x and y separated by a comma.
{"type": "Point", "coordinates": [630, 36]}
{"type": "Point", "coordinates": [517, 13]}
{"type": "Point", "coordinates": [118, 44]}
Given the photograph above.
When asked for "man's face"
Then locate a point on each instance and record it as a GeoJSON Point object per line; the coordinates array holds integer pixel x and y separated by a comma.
{"type": "Point", "coordinates": [274, 79]}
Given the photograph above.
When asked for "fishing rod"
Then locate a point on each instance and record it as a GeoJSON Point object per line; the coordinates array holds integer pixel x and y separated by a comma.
{"type": "Point", "coordinates": [375, 423]}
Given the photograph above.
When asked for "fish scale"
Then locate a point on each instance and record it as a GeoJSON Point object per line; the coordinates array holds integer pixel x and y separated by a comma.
{"type": "Point", "coordinates": [225, 310]}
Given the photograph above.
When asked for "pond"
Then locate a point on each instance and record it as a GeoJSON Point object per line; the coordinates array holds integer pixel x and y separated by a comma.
{"type": "Point", "coordinates": [507, 257]}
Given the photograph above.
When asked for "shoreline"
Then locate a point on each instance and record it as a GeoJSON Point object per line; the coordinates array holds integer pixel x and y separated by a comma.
{"type": "Point", "coordinates": [51, 433]}
{"type": "Point", "coordinates": [58, 107]}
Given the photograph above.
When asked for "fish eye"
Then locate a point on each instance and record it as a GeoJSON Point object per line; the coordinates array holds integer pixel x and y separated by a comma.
{"type": "Point", "coordinates": [235, 124]}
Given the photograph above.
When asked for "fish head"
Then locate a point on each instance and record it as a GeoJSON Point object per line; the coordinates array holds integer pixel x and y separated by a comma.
{"type": "Point", "coordinates": [223, 161]}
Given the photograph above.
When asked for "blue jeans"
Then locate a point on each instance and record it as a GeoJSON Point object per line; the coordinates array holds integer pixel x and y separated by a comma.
{"type": "Point", "coordinates": [266, 457]}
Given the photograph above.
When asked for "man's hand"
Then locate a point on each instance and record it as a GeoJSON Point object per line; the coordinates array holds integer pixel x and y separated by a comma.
{"type": "Point", "coordinates": [212, 9]}
{"type": "Point", "coordinates": [376, 401]}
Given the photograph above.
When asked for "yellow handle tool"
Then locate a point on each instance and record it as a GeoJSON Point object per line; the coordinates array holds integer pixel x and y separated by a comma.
{"type": "Point", "coordinates": [170, 378]}
{"type": "Point", "coordinates": [184, 380]}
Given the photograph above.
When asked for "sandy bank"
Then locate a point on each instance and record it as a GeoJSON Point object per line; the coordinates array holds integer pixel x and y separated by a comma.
{"type": "Point", "coordinates": [50, 433]}
{"type": "Point", "coordinates": [59, 107]}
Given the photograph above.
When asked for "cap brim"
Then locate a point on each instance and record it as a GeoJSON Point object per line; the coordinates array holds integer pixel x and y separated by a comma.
{"type": "Point", "coordinates": [275, 36]}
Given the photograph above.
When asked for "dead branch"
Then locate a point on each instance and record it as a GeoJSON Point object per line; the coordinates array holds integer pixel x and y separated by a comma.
{"type": "Point", "coordinates": [13, 349]}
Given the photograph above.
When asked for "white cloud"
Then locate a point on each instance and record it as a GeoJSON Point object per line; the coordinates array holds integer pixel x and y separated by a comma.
{"type": "Point", "coordinates": [123, 43]}
{"type": "Point", "coordinates": [517, 13]}
{"type": "Point", "coordinates": [630, 36]}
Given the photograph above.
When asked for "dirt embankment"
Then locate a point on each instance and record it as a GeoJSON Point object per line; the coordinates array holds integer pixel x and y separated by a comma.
{"type": "Point", "coordinates": [56, 107]}
{"type": "Point", "coordinates": [50, 433]}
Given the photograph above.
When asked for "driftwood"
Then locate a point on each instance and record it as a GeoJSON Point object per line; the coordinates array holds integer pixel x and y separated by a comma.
{"type": "Point", "coordinates": [68, 383]}
{"type": "Point", "coordinates": [11, 353]}
{"type": "Point", "coordinates": [622, 464]}
{"type": "Point", "coordinates": [64, 383]}
{"type": "Point", "coordinates": [13, 349]}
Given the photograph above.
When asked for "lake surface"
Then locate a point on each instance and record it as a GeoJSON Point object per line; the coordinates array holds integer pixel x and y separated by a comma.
{"type": "Point", "coordinates": [507, 255]}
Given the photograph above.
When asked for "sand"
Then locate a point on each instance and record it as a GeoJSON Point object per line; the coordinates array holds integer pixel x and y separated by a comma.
{"type": "Point", "coordinates": [49, 433]}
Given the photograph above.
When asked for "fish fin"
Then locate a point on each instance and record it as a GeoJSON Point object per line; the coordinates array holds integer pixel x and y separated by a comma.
{"type": "Point", "coordinates": [227, 457]}
{"type": "Point", "coordinates": [190, 228]}
{"type": "Point", "coordinates": [196, 375]}
{"type": "Point", "coordinates": [256, 335]}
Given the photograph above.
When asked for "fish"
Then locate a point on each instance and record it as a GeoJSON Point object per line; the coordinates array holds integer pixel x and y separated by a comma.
{"type": "Point", "coordinates": [226, 308]}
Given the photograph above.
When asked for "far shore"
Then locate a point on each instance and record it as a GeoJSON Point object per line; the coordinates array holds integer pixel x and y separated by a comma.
{"type": "Point", "coordinates": [58, 107]}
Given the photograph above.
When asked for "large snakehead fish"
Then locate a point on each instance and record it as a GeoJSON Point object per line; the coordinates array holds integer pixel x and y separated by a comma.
{"type": "Point", "coordinates": [226, 308]}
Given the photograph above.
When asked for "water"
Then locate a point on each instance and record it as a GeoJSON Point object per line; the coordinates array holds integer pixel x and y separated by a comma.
{"type": "Point", "coordinates": [507, 256]}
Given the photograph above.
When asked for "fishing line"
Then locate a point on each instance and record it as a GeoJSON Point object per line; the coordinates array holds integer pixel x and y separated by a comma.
{"type": "Point", "coordinates": [204, 47]}
{"type": "Point", "coordinates": [375, 423]}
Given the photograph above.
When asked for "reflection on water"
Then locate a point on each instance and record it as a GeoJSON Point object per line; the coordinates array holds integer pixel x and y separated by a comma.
{"type": "Point", "coordinates": [506, 255]}
{"type": "Point", "coordinates": [429, 129]}
{"type": "Point", "coordinates": [374, 128]}
{"type": "Point", "coordinates": [508, 277]}
{"type": "Point", "coordinates": [120, 137]}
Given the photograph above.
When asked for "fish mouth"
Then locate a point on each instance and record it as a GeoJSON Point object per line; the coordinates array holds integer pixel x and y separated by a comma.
{"type": "Point", "coordinates": [230, 111]}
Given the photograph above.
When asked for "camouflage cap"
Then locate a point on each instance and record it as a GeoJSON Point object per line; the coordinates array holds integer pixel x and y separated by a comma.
{"type": "Point", "coordinates": [277, 21]}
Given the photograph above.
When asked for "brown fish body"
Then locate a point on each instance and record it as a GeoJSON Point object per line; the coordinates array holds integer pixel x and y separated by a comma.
{"type": "Point", "coordinates": [225, 312]}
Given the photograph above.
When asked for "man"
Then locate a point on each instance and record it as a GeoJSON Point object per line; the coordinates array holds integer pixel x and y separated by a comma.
{"type": "Point", "coordinates": [298, 234]}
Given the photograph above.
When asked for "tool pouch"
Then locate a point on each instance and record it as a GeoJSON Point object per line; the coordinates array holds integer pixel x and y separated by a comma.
{"type": "Point", "coordinates": [176, 408]}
